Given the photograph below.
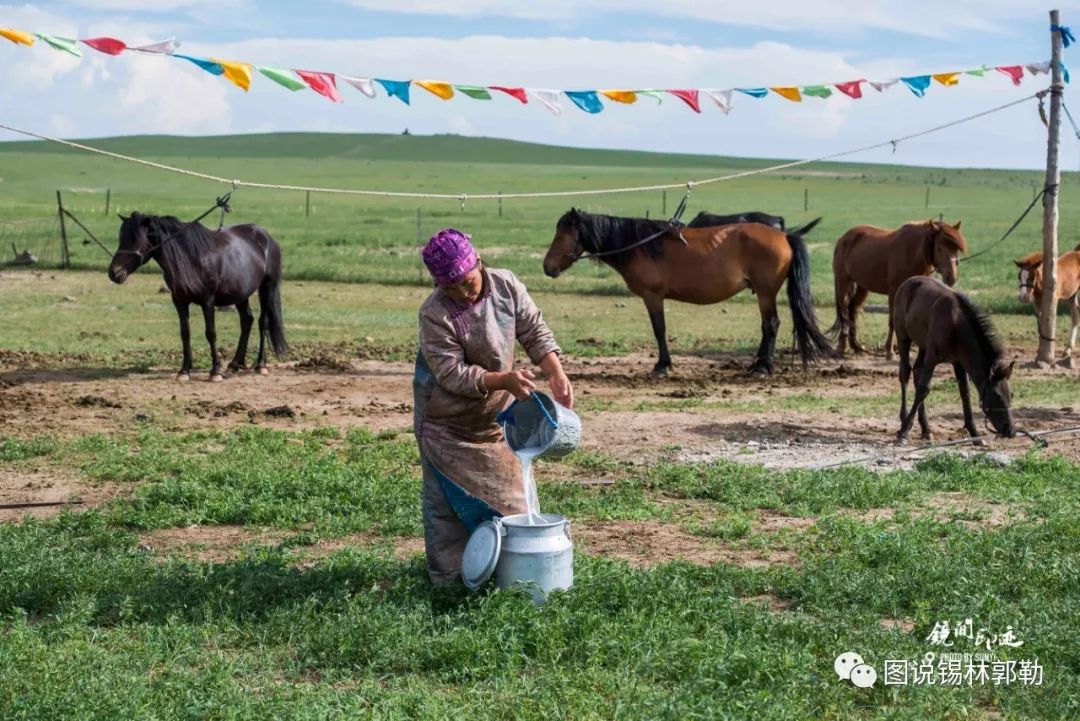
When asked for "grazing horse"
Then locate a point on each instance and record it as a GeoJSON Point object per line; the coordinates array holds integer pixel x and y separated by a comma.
{"type": "Point", "coordinates": [701, 266]}
{"type": "Point", "coordinates": [708, 220]}
{"type": "Point", "coordinates": [209, 268]}
{"type": "Point", "coordinates": [868, 260]}
{"type": "Point", "coordinates": [1068, 285]}
{"type": "Point", "coordinates": [948, 328]}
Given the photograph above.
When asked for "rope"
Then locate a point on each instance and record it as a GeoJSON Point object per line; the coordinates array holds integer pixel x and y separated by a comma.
{"type": "Point", "coordinates": [934, 446]}
{"type": "Point", "coordinates": [1011, 228]}
{"type": "Point", "coordinates": [513, 196]}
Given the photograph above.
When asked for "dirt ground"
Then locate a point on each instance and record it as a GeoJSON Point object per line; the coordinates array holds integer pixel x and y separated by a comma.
{"type": "Point", "coordinates": [693, 415]}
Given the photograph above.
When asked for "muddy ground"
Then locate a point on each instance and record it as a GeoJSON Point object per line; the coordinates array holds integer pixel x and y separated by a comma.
{"type": "Point", "coordinates": [693, 415]}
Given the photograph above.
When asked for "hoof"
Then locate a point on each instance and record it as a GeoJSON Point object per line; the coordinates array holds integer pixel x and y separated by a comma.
{"type": "Point", "coordinates": [977, 441]}
{"type": "Point", "coordinates": [928, 437]}
{"type": "Point", "coordinates": [1067, 362]}
{"type": "Point", "coordinates": [216, 377]}
{"type": "Point", "coordinates": [263, 371]}
{"type": "Point", "coordinates": [660, 372]}
{"type": "Point", "coordinates": [901, 440]}
{"type": "Point", "coordinates": [183, 377]}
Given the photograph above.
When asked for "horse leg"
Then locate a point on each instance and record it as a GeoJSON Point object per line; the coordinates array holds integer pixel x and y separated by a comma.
{"type": "Point", "coordinates": [211, 338]}
{"type": "Point", "coordinates": [842, 289]}
{"type": "Point", "coordinates": [904, 350]}
{"type": "Point", "coordinates": [924, 372]}
{"type": "Point", "coordinates": [1074, 310]}
{"type": "Point", "coordinates": [655, 306]}
{"type": "Point", "coordinates": [264, 330]}
{"type": "Point", "coordinates": [770, 324]}
{"type": "Point", "coordinates": [185, 338]}
{"type": "Point", "coordinates": [247, 319]}
{"type": "Point", "coordinates": [965, 401]}
{"type": "Point", "coordinates": [858, 297]}
{"type": "Point", "coordinates": [889, 335]}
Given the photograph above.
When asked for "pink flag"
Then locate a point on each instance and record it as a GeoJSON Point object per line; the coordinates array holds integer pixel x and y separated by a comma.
{"type": "Point", "coordinates": [109, 46]}
{"type": "Point", "coordinates": [690, 97]}
{"type": "Point", "coordinates": [852, 88]}
{"type": "Point", "coordinates": [1015, 72]}
{"type": "Point", "coordinates": [518, 93]}
{"type": "Point", "coordinates": [322, 83]}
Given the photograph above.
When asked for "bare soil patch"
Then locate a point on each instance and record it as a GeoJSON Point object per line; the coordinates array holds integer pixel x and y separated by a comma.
{"type": "Point", "coordinates": [42, 493]}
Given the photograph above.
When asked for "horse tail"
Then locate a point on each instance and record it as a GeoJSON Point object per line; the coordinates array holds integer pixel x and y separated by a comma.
{"type": "Point", "coordinates": [270, 302]}
{"type": "Point", "coordinates": [811, 342]}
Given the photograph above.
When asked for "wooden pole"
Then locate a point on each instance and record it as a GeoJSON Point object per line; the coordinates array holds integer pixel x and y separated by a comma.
{"type": "Point", "coordinates": [307, 203]}
{"type": "Point", "coordinates": [65, 259]}
{"type": "Point", "coordinates": [1048, 306]}
{"type": "Point", "coordinates": [806, 198]}
{"type": "Point", "coordinates": [928, 196]}
{"type": "Point", "coordinates": [663, 202]}
{"type": "Point", "coordinates": [500, 203]}
{"type": "Point", "coordinates": [108, 198]}
{"type": "Point", "coordinates": [419, 246]}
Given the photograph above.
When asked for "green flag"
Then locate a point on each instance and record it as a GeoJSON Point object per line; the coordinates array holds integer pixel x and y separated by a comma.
{"type": "Point", "coordinates": [474, 91]}
{"type": "Point", "coordinates": [283, 78]}
{"type": "Point", "coordinates": [817, 91]}
{"type": "Point", "coordinates": [66, 44]}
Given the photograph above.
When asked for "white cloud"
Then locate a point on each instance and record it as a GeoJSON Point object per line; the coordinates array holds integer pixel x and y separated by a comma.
{"type": "Point", "coordinates": [931, 18]}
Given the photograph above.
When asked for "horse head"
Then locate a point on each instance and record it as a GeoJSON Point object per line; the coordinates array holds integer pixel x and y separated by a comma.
{"type": "Point", "coordinates": [947, 243]}
{"type": "Point", "coordinates": [566, 246]}
{"type": "Point", "coordinates": [1030, 276]}
{"type": "Point", "coordinates": [995, 398]}
{"type": "Point", "coordinates": [134, 250]}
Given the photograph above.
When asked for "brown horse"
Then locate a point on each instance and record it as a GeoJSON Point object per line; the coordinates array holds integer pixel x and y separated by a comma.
{"type": "Point", "coordinates": [701, 266]}
{"type": "Point", "coordinates": [949, 329]}
{"type": "Point", "coordinates": [868, 260]}
{"type": "Point", "coordinates": [1068, 285]}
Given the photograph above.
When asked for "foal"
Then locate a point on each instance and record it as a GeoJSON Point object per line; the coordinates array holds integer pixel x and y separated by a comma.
{"type": "Point", "coordinates": [949, 329]}
{"type": "Point", "coordinates": [1068, 286]}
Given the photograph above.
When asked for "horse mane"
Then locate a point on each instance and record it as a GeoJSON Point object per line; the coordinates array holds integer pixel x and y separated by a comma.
{"type": "Point", "coordinates": [948, 235]}
{"type": "Point", "coordinates": [605, 233]}
{"type": "Point", "coordinates": [983, 331]}
{"type": "Point", "coordinates": [181, 246]}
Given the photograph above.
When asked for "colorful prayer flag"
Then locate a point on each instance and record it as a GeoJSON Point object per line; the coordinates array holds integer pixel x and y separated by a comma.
{"type": "Point", "coordinates": [817, 91]}
{"type": "Point", "coordinates": [364, 85]}
{"type": "Point", "coordinates": [626, 97]}
{"type": "Point", "coordinates": [1015, 72]}
{"type": "Point", "coordinates": [109, 46]}
{"type": "Point", "coordinates": [722, 98]}
{"type": "Point", "coordinates": [476, 92]}
{"type": "Point", "coordinates": [690, 97]}
{"type": "Point", "coordinates": [396, 89]}
{"type": "Point", "coordinates": [209, 66]}
{"type": "Point", "coordinates": [754, 92]}
{"type": "Point", "coordinates": [947, 79]}
{"type": "Point", "coordinates": [586, 100]}
{"type": "Point", "coordinates": [165, 47]}
{"type": "Point", "coordinates": [917, 84]}
{"type": "Point", "coordinates": [322, 83]}
{"type": "Point", "coordinates": [550, 99]}
{"type": "Point", "coordinates": [441, 89]}
{"type": "Point", "coordinates": [238, 73]}
{"type": "Point", "coordinates": [66, 45]}
{"type": "Point", "coordinates": [17, 36]}
{"type": "Point", "coordinates": [283, 78]}
{"type": "Point", "coordinates": [518, 93]}
{"type": "Point", "coordinates": [883, 85]}
{"type": "Point", "coordinates": [790, 92]}
{"type": "Point", "coordinates": [852, 88]}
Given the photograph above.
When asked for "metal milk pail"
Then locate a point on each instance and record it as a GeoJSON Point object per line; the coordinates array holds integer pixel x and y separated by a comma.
{"type": "Point", "coordinates": [541, 556]}
{"type": "Point", "coordinates": [541, 423]}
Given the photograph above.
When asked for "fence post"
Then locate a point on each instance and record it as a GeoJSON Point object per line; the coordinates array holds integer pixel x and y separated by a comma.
{"type": "Point", "coordinates": [806, 198]}
{"type": "Point", "coordinates": [928, 196]}
{"type": "Point", "coordinates": [663, 202]}
{"type": "Point", "coordinates": [65, 259]}
{"type": "Point", "coordinates": [419, 247]}
{"type": "Point", "coordinates": [500, 203]}
{"type": "Point", "coordinates": [307, 203]}
{"type": "Point", "coordinates": [108, 198]}
{"type": "Point", "coordinates": [1048, 311]}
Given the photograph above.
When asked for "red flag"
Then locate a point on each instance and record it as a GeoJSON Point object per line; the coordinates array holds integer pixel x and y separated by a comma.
{"type": "Point", "coordinates": [109, 46]}
{"type": "Point", "coordinates": [852, 88]}
{"type": "Point", "coordinates": [322, 83]}
{"type": "Point", "coordinates": [690, 97]}
{"type": "Point", "coordinates": [1016, 72]}
{"type": "Point", "coordinates": [518, 93]}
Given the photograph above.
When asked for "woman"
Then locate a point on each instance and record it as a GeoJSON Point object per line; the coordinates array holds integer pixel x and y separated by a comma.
{"type": "Point", "coordinates": [464, 378]}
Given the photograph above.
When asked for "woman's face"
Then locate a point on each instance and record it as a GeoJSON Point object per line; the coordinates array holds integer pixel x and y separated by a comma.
{"type": "Point", "coordinates": [468, 289]}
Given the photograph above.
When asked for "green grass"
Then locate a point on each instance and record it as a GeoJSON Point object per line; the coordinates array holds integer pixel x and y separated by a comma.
{"type": "Point", "coordinates": [95, 627]}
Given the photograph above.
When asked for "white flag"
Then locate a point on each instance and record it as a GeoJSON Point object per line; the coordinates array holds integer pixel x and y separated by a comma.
{"type": "Point", "coordinates": [722, 98]}
{"type": "Point", "coordinates": [165, 47]}
{"type": "Point", "coordinates": [882, 85]}
{"type": "Point", "coordinates": [364, 85]}
{"type": "Point", "coordinates": [550, 99]}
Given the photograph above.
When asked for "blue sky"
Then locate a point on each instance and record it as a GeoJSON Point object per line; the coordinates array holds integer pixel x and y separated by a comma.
{"type": "Point", "coordinates": [554, 44]}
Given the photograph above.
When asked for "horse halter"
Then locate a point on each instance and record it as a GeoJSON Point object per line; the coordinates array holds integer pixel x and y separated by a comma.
{"type": "Point", "coordinates": [674, 226]}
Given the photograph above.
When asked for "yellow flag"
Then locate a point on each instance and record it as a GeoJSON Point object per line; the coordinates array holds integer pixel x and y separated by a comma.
{"type": "Point", "coordinates": [947, 78]}
{"type": "Point", "coordinates": [620, 96]}
{"type": "Point", "coordinates": [238, 73]}
{"type": "Point", "coordinates": [17, 36]}
{"type": "Point", "coordinates": [443, 90]}
{"type": "Point", "coordinates": [791, 93]}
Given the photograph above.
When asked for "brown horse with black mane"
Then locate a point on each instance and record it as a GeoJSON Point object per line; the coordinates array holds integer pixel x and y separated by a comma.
{"type": "Point", "coordinates": [869, 259]}
{"type": "Point", "coordinates": [701, 266]}
{"type": "Point", "coordinates": [948, 328]}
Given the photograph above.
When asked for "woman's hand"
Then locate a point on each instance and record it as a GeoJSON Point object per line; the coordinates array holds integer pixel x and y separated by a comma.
{"type": "Point", "coordinates": [562, 390]}
{"type": "Point", "coordinates": [518, 383]}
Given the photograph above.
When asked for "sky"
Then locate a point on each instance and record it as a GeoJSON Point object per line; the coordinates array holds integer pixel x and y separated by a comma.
{"type": "Point", "coordinates": [566, 44]}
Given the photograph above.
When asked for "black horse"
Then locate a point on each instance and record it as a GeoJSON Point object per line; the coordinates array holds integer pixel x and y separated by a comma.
{"type": "Point", "coordinates": [209, 268]}
{"type": "Point", "coordinates": [708, 220]}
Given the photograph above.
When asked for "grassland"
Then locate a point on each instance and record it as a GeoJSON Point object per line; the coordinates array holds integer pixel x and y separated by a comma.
{"type": "Point", "coordinates": [248, 572]}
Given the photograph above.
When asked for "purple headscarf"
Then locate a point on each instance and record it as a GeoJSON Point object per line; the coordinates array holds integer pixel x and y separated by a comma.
{"type": "Point", "coordinates": [449, 256]}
